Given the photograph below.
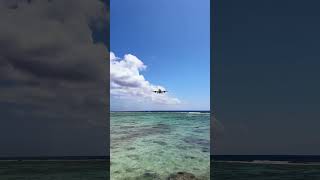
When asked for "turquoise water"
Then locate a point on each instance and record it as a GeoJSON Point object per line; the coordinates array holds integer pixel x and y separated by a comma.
{"type": "Point", "coordinates": [155, 145]}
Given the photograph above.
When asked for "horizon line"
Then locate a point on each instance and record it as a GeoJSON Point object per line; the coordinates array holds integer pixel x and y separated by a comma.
{"type": "Point", "coordinates": [160, 110]}
{"type": "Point", "coordinates": [107, 157]}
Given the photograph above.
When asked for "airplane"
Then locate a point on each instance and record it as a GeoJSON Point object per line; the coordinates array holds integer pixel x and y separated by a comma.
{"type": "Point", "coordinates": [159, 91]}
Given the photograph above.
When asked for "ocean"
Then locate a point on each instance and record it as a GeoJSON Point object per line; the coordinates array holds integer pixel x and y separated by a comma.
{"type": "Point", "coordinates": [54, 169]}
{"type": "Point", "coordinates": [86, 169]}
{"type": "Point", "coordinates": [158, 145]}
{"type": "Point", "coordinates": [265, 167]}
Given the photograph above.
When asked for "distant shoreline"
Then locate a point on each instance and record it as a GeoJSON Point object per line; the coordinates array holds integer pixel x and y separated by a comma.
{"type": "Point", "coordinates": [269, 159]}
{"type": "Point", "coordinates": [204, 111]}
{"type": "Point", "coordinates": [274, 163]}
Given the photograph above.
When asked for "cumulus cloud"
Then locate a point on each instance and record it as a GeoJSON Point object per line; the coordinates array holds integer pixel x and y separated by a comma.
{"type": "Point", "coordinates": [50, 39]}
{"type": "Point", "coordinates": [48, 57]}
{"type": "Point", "coordinates": [52, 69]}
{"type": "Point", "coordinates": [127, 82]}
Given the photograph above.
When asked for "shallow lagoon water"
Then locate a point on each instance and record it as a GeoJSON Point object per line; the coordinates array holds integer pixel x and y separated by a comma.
{"type": "Point", "coordinates": [155, 145]}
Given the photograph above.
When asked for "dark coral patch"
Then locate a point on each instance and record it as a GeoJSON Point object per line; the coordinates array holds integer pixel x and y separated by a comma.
{"type": "Point", "coordinates": [182, 176]}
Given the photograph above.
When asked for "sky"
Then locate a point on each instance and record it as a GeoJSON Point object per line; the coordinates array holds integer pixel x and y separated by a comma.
{"type": "Point", "coordinates": [160, 44]}
{"type": "Point", "coordinates": [265, 77]}
{"type": "Point", "coordinates": [53, 75]}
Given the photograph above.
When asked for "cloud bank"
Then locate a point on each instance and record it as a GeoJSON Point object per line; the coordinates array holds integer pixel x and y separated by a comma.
{"type": "Point", "coordinates": [53, 75]}
{"type": "Point", "coordinates": [127, 82]}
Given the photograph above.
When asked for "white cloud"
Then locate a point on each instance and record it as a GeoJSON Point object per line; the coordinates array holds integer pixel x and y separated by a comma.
{"type": "Point", "coordinates": [127, 82]}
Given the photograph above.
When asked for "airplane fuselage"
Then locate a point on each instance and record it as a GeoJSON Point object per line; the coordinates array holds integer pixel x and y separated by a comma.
{"type": "Point", "coordinates": [159, 91]}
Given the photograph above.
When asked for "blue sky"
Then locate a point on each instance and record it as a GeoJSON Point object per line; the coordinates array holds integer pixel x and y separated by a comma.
{"type": "Point", "coordinates": [172, 39]}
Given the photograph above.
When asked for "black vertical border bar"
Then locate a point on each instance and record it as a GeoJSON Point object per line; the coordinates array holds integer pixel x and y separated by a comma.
{"type": "Point", "coordinates": [108, 85]}
{"type": "Point", "coordinates": [211, 84]}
